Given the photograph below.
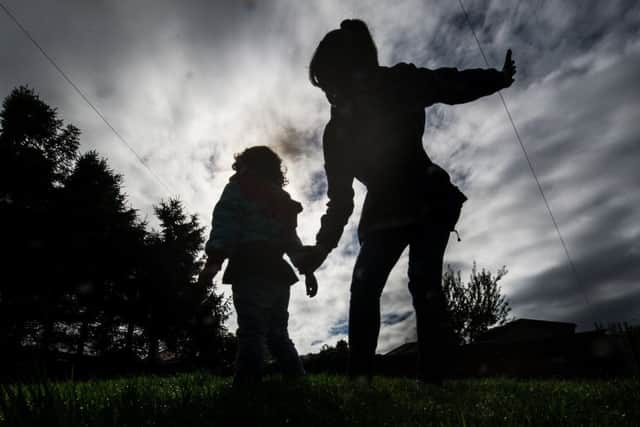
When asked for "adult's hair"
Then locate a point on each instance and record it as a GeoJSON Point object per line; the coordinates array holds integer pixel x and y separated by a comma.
{"type": "Point", "coordinates": [261, 162]}
{"type": "Point", "coordinates": [340, 53]}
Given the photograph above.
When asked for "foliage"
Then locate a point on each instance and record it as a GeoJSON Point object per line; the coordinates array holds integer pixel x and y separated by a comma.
{"type": "Point", "coordinates": [103, 237]}
{"type": "Point", "coordinates": [33, 133]}
{"type": "Point", "coordinates": [201, 400]}
{"type": "Point", "coordinates": [84, 277]}
{"type": "Point", "coordinates": [477, 304]}
{"type": "Point", "coordinates": [37, 153]}
{"type": "Point", "coordinates": [186, 315]}
{"type": "Point", "coordinates": [329, 360]}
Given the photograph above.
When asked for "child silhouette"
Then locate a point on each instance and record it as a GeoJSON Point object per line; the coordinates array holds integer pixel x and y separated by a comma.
{"type": "Point", "coordinates": [254, 224]}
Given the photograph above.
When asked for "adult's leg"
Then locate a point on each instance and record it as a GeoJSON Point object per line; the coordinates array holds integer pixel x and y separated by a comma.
{"type": "Point", "coordinates": [280, 345]}
{"type": "Point", "coordinates": [379, 253]}
{"type": "Point", "coordinates": [252, 309]}
{"type": "Point", "coordinates": [426, 253]}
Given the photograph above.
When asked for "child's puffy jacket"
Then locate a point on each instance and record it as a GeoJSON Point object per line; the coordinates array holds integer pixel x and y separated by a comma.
{"type": "Point", "coordinates": [254, 224]}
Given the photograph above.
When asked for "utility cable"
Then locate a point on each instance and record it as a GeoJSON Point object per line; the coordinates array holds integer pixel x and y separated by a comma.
{"type": "Point", "coordinates": [531, 168]}
{"type": "Point", "coordinates": [66, 77]}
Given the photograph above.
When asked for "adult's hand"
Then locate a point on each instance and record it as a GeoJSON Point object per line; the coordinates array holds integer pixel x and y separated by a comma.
{"type": "Point", "coordinates": [311, 284]}
{"type": "Point", "coordinates": [310, 258]}
{"type": "Point", "coordinates": [509, 69]}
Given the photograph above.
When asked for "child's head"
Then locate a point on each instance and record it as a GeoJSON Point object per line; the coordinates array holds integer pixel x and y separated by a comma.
{"type": "Point", "coordinates": [261, 162]}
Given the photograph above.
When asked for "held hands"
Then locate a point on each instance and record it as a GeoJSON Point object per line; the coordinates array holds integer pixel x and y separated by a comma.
{"type": "Point", "coordinates": [509, 69]}
{"type": "Point", "coordinates": [312, 285]}
{"type": "Point", "coordinates": [208, 272]}
{"type": "Point", "coordinates": [309, 258]}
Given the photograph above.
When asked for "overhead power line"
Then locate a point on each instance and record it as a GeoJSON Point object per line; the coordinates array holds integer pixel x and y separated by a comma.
{"type": "Point", "coordinates": [66, 77]}
{"type": "Point", "coordinates": [531, 168]}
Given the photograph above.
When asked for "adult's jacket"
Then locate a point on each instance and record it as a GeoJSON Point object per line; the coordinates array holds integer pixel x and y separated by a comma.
{"type": "Point", "coordinates": [375, 136]}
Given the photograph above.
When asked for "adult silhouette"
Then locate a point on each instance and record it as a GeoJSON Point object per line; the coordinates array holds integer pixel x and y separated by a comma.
{"type": "Point", "coordinates": [375, 136]}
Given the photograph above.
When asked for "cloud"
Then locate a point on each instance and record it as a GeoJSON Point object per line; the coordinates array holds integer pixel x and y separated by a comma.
{"type": "Point", "coordinates": [189, 86]}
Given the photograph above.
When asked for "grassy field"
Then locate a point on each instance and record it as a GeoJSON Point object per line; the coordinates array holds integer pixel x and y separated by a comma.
{"type": "Point", "coordinates": [200, 399]}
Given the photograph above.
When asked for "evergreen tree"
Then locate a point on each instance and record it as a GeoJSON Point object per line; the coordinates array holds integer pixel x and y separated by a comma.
{"type": "Point", "coordinates": [82, 273]}
{"type": "Point", "coordinates": [102, 237]}
{"type": "Point", "coordinates": [37, 152]}
{"type": "Point", "coordinates": [183, 314]}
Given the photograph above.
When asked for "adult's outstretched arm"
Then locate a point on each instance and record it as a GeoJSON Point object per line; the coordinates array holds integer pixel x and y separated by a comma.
{"type": "Point", "coordinates": [453, 86]}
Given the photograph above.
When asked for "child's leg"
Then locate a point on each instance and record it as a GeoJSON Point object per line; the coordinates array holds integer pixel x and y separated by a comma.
{"type": "Point", "coordinates": [280, 345]}
{"type": "Point", "coordinates": [253, 313]}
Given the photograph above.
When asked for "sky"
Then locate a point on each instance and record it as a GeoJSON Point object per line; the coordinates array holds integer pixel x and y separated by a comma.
{"type": "Point", "coordinates": [190, 83]}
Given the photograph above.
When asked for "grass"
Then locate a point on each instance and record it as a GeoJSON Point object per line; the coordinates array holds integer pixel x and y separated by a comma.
{"type": "Point", "coordinates": [199, 399]}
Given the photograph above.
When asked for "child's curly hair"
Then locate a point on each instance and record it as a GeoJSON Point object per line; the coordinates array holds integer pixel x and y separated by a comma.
{"type": "Point", "coordinates": [262, 162]}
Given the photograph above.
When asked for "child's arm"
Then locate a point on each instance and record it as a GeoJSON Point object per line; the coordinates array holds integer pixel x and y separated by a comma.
{"type": "Point", "coordinates": [208, 272]}
{"type": "Point", "coordinates": [223, 238]}
{"type": "Point", "coordinates": [293, 249]}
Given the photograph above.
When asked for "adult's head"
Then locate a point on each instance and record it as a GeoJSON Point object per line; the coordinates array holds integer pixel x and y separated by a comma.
{"type": "Point", "coordinates": [341, 55]}
{"type": "Point", "coordinates": [262, 163]}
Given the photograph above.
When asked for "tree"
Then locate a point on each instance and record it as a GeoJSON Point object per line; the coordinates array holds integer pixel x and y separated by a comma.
{"type": "Point", "coordinates": [476, 305]}
{"type": "Point", "coordinates": [186, 316]}
{"type": "Point", "coordinates": [82, 274]}
{"type": "Point", "coordinates": [101, 238]}
{"type": "Point", "coordinates": [329, 359]}
{"type": "Point", "coordinates": [37, 151]}
{"type": "Point", "coordinates": [33, 135]}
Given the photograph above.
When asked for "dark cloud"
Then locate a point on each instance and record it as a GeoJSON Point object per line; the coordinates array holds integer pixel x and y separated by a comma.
{"type": "Point", "coordinates": [318, 188]}
{"type": "Point", "coordinates": [393, 318]}
{"type": "Point", "coordinates": [340, 328]}
{"type": "Point", "coordinates": [293, 142]}
{"type": "Point", "coordinates": [605, 274]}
